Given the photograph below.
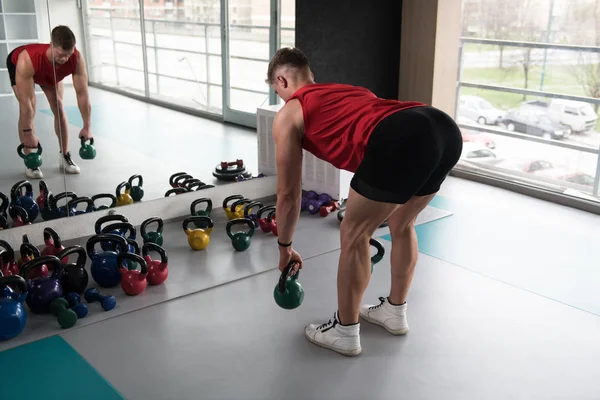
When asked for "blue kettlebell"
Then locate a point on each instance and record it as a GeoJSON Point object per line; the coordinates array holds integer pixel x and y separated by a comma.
{"type": "Point", "coordinates": [252, 216]}
{"type": "Point", "coordinates": [72, 205]}
{"type": "Point", "coordinates": [105, 270]}
{"type": "Point", "coordinates": [109, 218]}
{"type": "Point", "coordinates": [24, 200]}
{"type": "Point", "coordinates": [65, 210]}
{"type": "Point", "coordinates": [13, 314]}
{"type": "Point", "coordinates": [121, 229]}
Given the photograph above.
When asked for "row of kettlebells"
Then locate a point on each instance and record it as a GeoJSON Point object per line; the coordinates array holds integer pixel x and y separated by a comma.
{"type": "Point", "coordinates": [239, 212]}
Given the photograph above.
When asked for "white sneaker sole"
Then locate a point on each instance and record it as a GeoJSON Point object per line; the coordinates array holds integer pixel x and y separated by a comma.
{"type": "Point", "coordinates": [345, 352]}
{"type": "Point", "coordinates": [398, 332]}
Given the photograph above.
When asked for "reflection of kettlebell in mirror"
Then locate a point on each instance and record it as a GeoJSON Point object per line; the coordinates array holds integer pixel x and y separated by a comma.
{"type": "Point", "coordinates": [87, 151]}
{"type": "Point", "coordinates": [136, 191]}
{"type": "Point", "coordinates": [289, 293]}
{"type": "Point", "coordinates": [380, 252]}
{"type": "Point", "coordinates": [201, 213]}
{"type": "Point", "coordinates": [226, 206]}
{"type": "Point", "coordinates": [240, 240]}
{"type": "Point", "coordinates": [198, 238]}
{"type": "Point", "coordinates": [124, 198]}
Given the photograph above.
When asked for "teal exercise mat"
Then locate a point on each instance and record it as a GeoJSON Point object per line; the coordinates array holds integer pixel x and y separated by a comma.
{"type": "Point", "coordinates": [51, 369]}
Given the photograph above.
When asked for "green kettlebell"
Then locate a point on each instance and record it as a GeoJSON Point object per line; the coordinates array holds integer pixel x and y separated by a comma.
{"type": "Point", "coordinates": [240, 240]}
{"type": "Point", "coordinates": [201, 213]}
{"type": "Point", "coordinates": [380, 252]}
{"type": "Point", "coordinates": [289, 293]}
{"type": "Point", "coordinates": [155, 237]}
{"type": "Point", "coordinates": [32, 160]}
{"type": "Point", "coordinates": [137, 191]}
{"type": "Point", "coordinates": [87, 151]}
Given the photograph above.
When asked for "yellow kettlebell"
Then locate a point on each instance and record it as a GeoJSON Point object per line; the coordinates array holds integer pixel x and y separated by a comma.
{"type": "Point", "coordinates": [125, 198]}
{"type": "Point", "coordinates": [198, 238]}
{"type": "Point", "coordinates": [228, 210]}
{"type": "Point", "coordinates": [237, 208]}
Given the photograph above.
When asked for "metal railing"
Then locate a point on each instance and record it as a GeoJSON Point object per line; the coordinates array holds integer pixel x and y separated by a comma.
{"type": "Point", "coordinates": [205, 26]}
{"type": "Point", "coordinates": [539, 93]}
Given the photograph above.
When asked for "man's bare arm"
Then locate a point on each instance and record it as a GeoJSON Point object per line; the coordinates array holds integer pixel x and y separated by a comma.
{"type": "Point", "coordinates": [25, 89]}
{"type": "Point", "coordinates": [80, 83]}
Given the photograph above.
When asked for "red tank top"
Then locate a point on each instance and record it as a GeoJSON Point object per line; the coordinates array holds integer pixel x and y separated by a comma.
{"type": "Point", "coordinates": [43, 74]}
{"type": "Point", "coordinates": [339, 119]}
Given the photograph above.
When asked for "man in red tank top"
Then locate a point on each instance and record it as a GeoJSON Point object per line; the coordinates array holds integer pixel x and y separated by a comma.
{"type": "Point", "coordinates": [47, 65]}
{"type": "Point", "coordinates": [400, 153]}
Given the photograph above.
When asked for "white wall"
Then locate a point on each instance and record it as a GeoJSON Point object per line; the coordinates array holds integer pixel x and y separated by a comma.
{"type": "Point", "coordinates": [62, 12]}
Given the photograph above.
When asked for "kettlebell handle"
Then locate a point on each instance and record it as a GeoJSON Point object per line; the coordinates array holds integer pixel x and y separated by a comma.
{"type": "Point", "coordinates": [196, 218]}
{"type": "Point", "coordinates": [120, 226]}
{"type": "Point", "coordinates": [284, 276]}
{"type": "Point", "coordinates": [240, 202]}
{"type": "Point", "coordinates": [83, 141]}
{"type": "Point", "coordinates": [271, 215]}
{"type": "Point", "coordinates": [122, 185]}
{"type": "Point", "coordinates": [135, 245]}
{"type": "Point", "coordinates": [72, 204]}
{"type": "Point", "coordinates": [108, 218]}
{"type": "Point", "coordinates": [17, 280]}
{"type": "Point", "coordinates": [263, 210]}
{"type": "Point", "coordinates": [27, 249]}
{"type": "Point", "coordinates": [380, 251]}
{"type": "Point", "coordinates": [43, 260]}
{"type": "Point", "coordinates": [22, 146]}
{"type": "Point", "coordinates": [80, 251]}
{"type": "Point", "coordinates": [17, 211]}
{"type": "Point", "coordinates": [181, 178]}
{"type": "Point", "coordinates": [197, 202]}
{"type": "Point", "coordinates": [60, 196]}
{"type": "Point", "coordinates": [110, 196]}
{"type": "Point", "coordinates": [134, 177]}
{"type": "Point", "coordinates": [50, 233]}
{"type": "Point", "coordinates": [148, 247]}
{"type": "Point", "coordinates": [9, 254]}
{"type": "Point", "coordinates": [149, 221]}
{"type": "Point", "coordinates": [250, 206]}
{"type": "Point", "coordinates": [176, 190]}
{"type": "Point", "coordinates": [105, 237]}
{"type": "Point", "coordinates": [133, 257]}
{"type": "Point", "coordinates": [4, 203]}
{"type": "Point", "coordinates": [228, 199]}
{"type": "Point", "coordinates": [174, 176]}
{"type": "Point", "coordinates": [240, 221]}
{"type": "Point", "coordinates": [20, 185]}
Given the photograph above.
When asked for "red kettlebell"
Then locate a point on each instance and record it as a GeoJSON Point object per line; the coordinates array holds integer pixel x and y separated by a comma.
{"type": "Point", "coordinates": [41, 199]}
{"type": "Point", "coordinates": [19, 215]}
{"type": "Point", "coordinates": [263, 223]}
{"type": "Point", "coordinates": [158, 270]}
{"type": "Point", "coordinates": [133, 282]}
{"type": "Point", "coordinates": [272, 222]}
{"type": "Point", "coordinates": [28, 253]}
{"type": "Point", "coordinates": [53, 244]}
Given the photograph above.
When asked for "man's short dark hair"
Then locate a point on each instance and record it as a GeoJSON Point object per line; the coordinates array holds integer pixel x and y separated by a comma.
{"type": "Point", "coordinates": [286, 56]}
{"type": "Point", "coordinates": [63, 36]}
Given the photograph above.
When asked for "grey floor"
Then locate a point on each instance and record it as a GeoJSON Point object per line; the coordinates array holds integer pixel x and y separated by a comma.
{"type": "Point", "coordinates": [471, 338]}
{"type": "Point", "coordinates": [131, 137]}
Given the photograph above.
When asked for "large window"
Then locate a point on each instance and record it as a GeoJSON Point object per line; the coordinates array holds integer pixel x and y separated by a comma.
{"type": "Point", "coordinates": [205, 55]}
{"type": "Point", "coordinates": [529, 91]}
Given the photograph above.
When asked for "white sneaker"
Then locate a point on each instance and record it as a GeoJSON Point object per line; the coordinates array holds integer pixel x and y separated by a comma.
{"type": "Point", "coordinates": [392, 318]}
{"type": "Point", "coordinates": [68, 164]}
{"type": "Point", "coordinates": [35, 173]}
{"type": "Point", "coordinates": [343, 339]}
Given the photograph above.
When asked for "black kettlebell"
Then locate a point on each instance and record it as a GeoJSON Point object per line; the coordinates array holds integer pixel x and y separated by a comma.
{"type": "Point", "coordinates": [74, 277]}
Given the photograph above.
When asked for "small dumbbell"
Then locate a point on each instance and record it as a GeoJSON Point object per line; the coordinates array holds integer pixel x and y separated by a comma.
{"type": "Point", "coordinates": [60, 308]}
{"type": "Point", "coordinates": [310, 195]}
{"type": "Point", "coordinates": [329, 208]}
{"type": "Point", "coordinates": [107, 302]}
{"type": "Point", "coordinates": [76, 305]}
{"type": "Point", "coordinates": [313, 205]}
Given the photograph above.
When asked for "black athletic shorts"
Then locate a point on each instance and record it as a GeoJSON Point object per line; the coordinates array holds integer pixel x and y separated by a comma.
{"type": "Point", "coordinates": [409, 153]}
{"type": "Point", "coordinates": [12, 69]}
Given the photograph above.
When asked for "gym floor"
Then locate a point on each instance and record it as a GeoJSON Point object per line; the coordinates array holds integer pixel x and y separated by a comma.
{"type": "Point", "coordinates": [504, 304]}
